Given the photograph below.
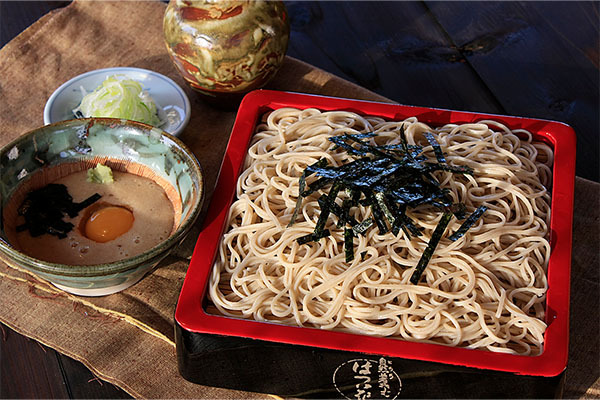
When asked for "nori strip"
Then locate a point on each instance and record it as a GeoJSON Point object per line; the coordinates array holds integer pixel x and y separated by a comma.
{"type": "Point", "coordinates": [428, 252]}
{"type": "Point", "coordinates": [363, 255]}
{"type": "Point", "coordinates": [74, 210]}
{"type": "Point", "coordinates": [365, 147]}
{"type": "Point", "coordinates": [312, 237]}
{"type": "Point", "coordinates": [311, 168]}
{"type": "Point", "coordinates": [408, 194]}
{"type": "Point", "coordinates": [302, 183]}
{"type": "Point", "coordinates": [397, 212]}
{"type": "Point", "coordinates": [360, 135]}
{"type": "Point", "coordinates": [463, 169]}
{"type": "Point", "coordinates": [340, 141]}
{"type": "Point", "coordinates": [361, 228]}
{"type": "Point", "coordinates": [469, 222]}
{"type": "Point", "coordinates": [403, 221]}
{"type": "Point", "coordinates": [354, 196]}
{"type": "Point", "coordinates": [329, 201]}
{"type": "Point", "coordinates": [377, 213]}
{"type": "Point", "coordinates": [391, 177]}
{"type": "Point", "coordinates": [380, 197]}
{"type": "Point", "coordinates": [459, 210]}
{"type": "Point", "coordinates": [44, 209]}
{"type": "Point", "coordinates": [340, 212]}
{"type": "Point", "coordinates": [366, 169]}
{"type": "Point", "coordinates": [374, 176]}
{"type": "Point", "coordinates": [316, 185]}
{"type": "Point", "coordinates": [404, 143]}
{"type": "Point", "coordinates": [349, 244]}
{"type": "Point", "coordinates": [439, 154]}
{"type": "Point", "coordinates": [306, 238]}
{"type": "Point", "coordinates": [410, 225]}
{"type": "Point", "coordinates": [344, 216]}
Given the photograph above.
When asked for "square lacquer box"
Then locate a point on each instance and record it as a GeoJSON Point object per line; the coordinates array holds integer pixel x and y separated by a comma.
{"type": "Point", "coordinates": [306, 362]}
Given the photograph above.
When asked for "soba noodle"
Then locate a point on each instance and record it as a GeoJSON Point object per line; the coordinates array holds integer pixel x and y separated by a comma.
{"type": "Point", "coordinates": [486, 290]}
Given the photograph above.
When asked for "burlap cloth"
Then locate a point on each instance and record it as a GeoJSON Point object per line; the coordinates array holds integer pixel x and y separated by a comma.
{"type": "Point", "coordinates": [128, 338]}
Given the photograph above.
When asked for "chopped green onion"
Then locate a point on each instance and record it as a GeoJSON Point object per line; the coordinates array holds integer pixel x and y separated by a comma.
{"type": "Point", "coordinates": [119, 97]}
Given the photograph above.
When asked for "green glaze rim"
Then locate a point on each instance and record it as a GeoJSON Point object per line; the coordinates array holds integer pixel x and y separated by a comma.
{"type": "Point", "coordinates": [99, 270]}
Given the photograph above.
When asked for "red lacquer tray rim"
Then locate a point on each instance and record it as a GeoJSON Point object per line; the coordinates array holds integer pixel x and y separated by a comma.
{"type": "Point", "coordinates": [191, 316]}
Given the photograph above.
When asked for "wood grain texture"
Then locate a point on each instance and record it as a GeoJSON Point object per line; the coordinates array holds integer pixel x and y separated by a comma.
{"type": "Point", "coordinates": [396, 49]}
{"type": "Point", "coordinates": [532, 59]}
{"type": "Point", "coordinates": [539, 59]}
{"type": "Point", "coordinates": [28, 369]}
{"type": "Point", "coordinates": [83, 384]}
{"type": "Point", "coordinates": [16, 16]}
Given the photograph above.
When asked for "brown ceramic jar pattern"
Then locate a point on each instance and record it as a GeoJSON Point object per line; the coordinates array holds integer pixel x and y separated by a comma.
{"type": "Point", "coordinates": [226, 47]}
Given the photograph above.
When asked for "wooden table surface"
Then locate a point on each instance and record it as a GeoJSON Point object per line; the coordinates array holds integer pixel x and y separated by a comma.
{"type": "Point", "coordinates": [533, 59]}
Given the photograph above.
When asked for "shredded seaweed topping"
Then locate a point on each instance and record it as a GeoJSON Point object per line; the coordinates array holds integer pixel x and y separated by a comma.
{"type": "Point", "coordinates": [469, 222]}
{"type": "Point", "coordinates": [428, 252]}
{"type": "Point", "coordinates": [44, 209]}
{"type": "Point", "coordinates": [348, 244]}
{"type": "Point", "coordinates": [307, 171]}
{"type": "Point", "coordinates": [439, 154]}
{"type": "Point", "coordinates": [389, 179]}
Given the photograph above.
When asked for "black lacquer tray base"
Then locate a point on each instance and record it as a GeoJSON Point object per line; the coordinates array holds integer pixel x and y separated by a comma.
{"type": "Point", "coordinates": [310, 372]}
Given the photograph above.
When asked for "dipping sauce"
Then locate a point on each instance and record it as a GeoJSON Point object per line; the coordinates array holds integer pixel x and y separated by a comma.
{"type": "Point", "coordinates": [132, 216]}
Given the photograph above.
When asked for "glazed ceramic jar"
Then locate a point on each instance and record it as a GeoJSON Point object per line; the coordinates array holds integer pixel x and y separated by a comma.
{"type": "Point", "coordinates": [225, 47]}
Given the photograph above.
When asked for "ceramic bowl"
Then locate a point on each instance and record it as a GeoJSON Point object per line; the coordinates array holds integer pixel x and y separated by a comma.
{"type": "Point", "coordinates": [172, 102]}
{"type": "Point", "coordinates": [33, 157]}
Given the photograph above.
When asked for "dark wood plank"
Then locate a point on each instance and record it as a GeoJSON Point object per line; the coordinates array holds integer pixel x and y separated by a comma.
{"type": "Point", "coordinates": [32, 370]}
{"type": "Point", "coordinates": [396, 49]}
{"type": "Point", "coordinates": [83, 384]}
{"type": "Point", "coordinates": [540, 59]}
{"type": "Point", "coordinates": [16, 16]}
{"type": "Point", "coordinates": [28, 370]}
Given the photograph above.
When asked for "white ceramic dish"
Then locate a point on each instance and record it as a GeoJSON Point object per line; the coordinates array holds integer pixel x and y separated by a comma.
{"type": "Point", "coordinates": [173, 104]}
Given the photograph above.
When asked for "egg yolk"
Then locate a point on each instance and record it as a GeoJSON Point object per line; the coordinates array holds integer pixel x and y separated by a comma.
{"type": "Point", "coordinates": [108, 223]}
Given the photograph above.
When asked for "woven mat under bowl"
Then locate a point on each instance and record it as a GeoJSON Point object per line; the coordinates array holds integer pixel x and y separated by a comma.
{"type": "Point", "coordinates": [127, 338]}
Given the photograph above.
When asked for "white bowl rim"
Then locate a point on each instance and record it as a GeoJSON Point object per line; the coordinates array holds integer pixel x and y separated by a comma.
{"type": "Point", "coordinates": [112, 70]}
